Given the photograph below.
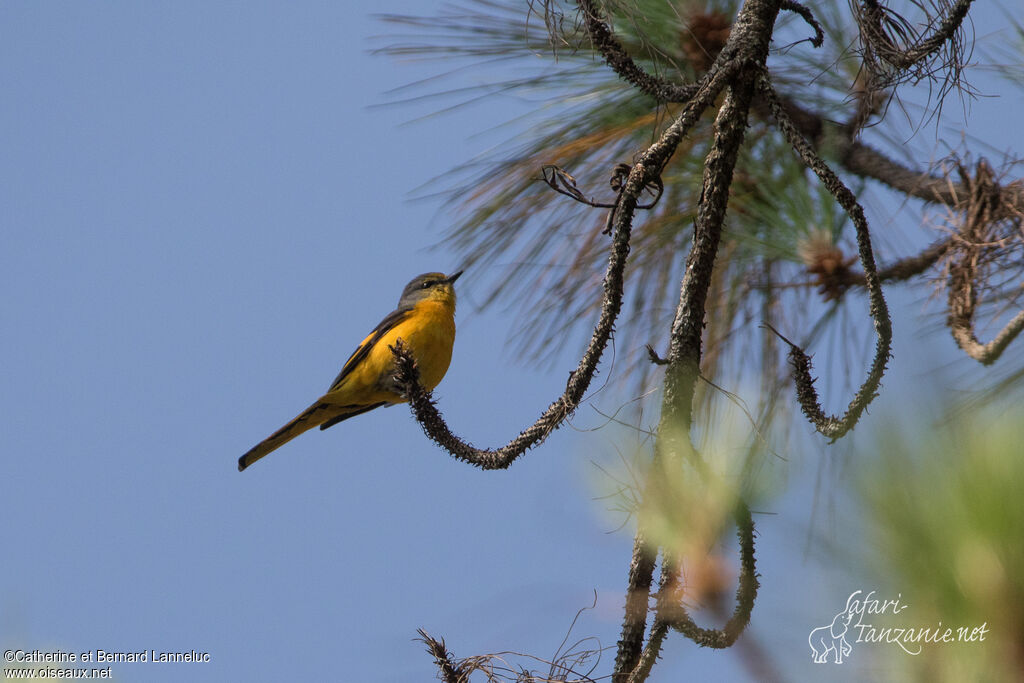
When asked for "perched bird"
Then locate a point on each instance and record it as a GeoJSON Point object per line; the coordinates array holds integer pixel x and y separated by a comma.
{"type": "Point", "coordinates": [424, 320]}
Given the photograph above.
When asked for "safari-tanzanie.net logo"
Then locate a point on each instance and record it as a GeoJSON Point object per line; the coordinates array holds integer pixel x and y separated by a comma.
{"type": "Point", "coordinates": [858, 622]}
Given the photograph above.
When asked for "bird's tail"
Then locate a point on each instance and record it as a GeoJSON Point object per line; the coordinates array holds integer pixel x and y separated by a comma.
{"type": "Point", "coordinates": [310, 417]}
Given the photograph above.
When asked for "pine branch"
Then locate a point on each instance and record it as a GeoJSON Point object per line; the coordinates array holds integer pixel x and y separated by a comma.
{"type": "Point", "coordinates": [832, 426]}
{"type": "Point", "coordinates": [646, 172]}
{"type": "Point", "coordinates": [672, 612]}
{"type": "Point", "coordinates": [745, 53]}
{"type": "Point", "coordinates": [621, 63]}
{"type": "Point", "coordinates": [974, 241]}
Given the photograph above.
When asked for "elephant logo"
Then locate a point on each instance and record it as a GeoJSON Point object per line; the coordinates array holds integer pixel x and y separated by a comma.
{"type": "Point", "coordinates": [832, 638]}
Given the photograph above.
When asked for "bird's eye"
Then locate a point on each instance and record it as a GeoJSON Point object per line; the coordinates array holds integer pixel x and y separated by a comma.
{"type": "Point", "coordinates": [427, 284]}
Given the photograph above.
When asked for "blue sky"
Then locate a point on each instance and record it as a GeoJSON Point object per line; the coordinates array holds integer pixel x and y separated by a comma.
{"type": "Point", "coordinates": [202, 214]}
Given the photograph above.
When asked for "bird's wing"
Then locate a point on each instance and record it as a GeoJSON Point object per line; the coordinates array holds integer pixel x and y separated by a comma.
{"type": "Point", "coordinates": [344, 416]}
{"type": "Point", "coordinates": [363, 350]}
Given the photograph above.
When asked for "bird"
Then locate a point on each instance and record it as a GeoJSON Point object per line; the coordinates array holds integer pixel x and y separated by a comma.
{"type": "Point", "coordinates": [424, 320]}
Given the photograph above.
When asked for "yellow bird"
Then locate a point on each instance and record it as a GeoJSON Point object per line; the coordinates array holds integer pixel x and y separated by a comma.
{"type": "Point", "coordinates": [424, 320]}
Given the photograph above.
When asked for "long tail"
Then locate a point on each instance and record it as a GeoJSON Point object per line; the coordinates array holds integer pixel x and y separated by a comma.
{"type": "Point", "coordinates": [311, 417]}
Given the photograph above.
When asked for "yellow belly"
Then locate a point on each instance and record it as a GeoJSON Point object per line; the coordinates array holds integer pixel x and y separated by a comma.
{"type": "Point", "coordinates": [429, 332]}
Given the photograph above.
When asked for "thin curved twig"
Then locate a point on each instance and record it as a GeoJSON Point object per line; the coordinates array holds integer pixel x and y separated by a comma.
{"type": "Point", "coordinates": [980, 206]}
{"type": "Point", "coordinates": [805, 13]}
{"type": "Point", "coordinates": [832, 426]}
{"type": "Point", "coordinates": [562, 182]}
{"type": "Point", "coordinates": [988, 353]}
{"type": "Point", "coordinates": [873, 15]}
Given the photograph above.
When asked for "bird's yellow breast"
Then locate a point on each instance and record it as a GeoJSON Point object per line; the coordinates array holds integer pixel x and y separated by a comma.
{"type": "Point", "coordinates": [428, 330]}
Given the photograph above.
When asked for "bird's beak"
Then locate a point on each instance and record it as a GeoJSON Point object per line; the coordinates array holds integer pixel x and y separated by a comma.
{"type": "Point", "coordinates": [453, 278]}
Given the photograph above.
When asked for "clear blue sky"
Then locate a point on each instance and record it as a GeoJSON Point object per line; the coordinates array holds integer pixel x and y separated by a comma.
{"type": "Point", "coordinates": [201, 215]}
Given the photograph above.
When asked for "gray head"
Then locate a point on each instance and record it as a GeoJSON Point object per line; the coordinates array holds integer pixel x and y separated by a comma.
{"type": "Point", "coordinates": [429, 286]}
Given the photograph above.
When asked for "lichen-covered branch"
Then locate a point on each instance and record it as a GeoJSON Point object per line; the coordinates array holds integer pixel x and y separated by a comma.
{"type": "Point", "coordinates": [659, 629]}
{"type": "Point", "coordinates": [688, 325]}
{"type": "Point", "coordinates": [621, 63]}
{"type": "Point", "coordinates": [868, 162]}
{"type": "Point", "coordinates": [672, 614]}
{"type": "Point", "coordinates": [832, 426]}
{"type": "Point", "coordinates": [684, 354]}
{"type": "Point", "coordinates": [638, 593]}
{"type": "Point", "coordinates": [644, 173]}
{"type": "Point", "coordinates": [685, 347]}
{"type": "Point", "coordinates": [672, 611]}
{"type": "Point", "coordinates": [910, 266]}
{"type": "Point", "coordinates": [745, 52]}
{"type": "Point", "coordinates": [865, 161]}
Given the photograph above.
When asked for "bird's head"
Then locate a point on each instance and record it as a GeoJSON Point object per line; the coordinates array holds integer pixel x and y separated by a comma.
{"type": "Point", "coordinates": [430, 287]}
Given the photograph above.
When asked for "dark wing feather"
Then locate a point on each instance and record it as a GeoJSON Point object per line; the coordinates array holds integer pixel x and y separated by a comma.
{"type": "Point", "coordinates": [335, 420]}
{"type": "Point", "coordinates": [393, 318]}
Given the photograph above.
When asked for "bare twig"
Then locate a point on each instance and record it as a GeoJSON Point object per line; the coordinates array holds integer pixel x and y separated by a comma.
{"type": "Point", "coordinates": [450, 672]}
{"type": "Point", "coordinates": [976, 239]}
{"type": "Point", "coordinates": [878, 23]}
{"type": "Point", "coordinates": [566, 665]}
{"type": "Point", "coordinates": [819, 34]}
{"type": "Point", "coordinates": [655, 358]}
{"type": "Point", "coordinates": [908, 267]}
{"type": "Point", "coordinates": [561, 182]}
{"type": "Point", "coordinates": [988, 353]}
